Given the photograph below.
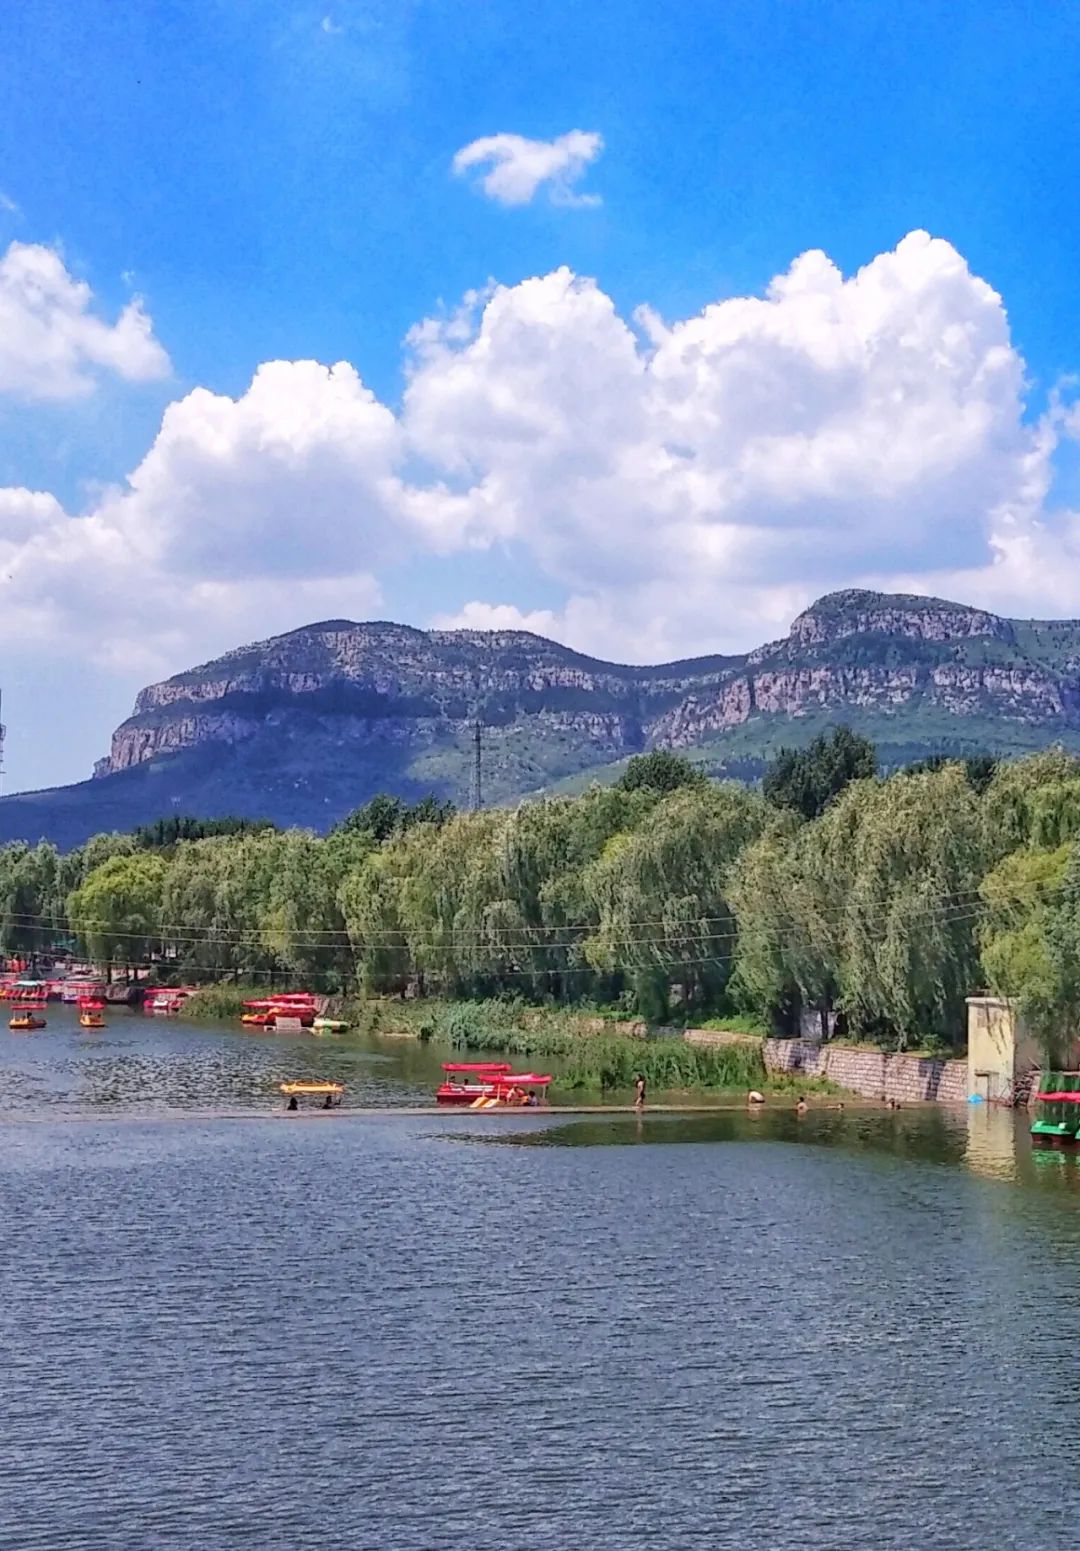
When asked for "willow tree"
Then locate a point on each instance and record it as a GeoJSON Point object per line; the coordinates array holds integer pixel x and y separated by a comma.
{"type": "Point", "coordinates": [1028, 939]}
{"type": "Point", "coordinates": [445, 898]}
{"type": "Point", "coordinates": [370, 897]}
{"type": "Point", "coordinates": [301, 921]}
{"type": "Point", "coordinates": [1027, 798]}
{"type": "Point", "coordinates": [214, 901]}
{"type": "Point", "coordinates": [33, 901]}
{"type": "Point", "coordinates": [910, 955]}
{"type": "Point", "coordinates": [787, 958]}
{"type": "Point", "coordinates": [660, 892]}
{"type": "Point", "coordinates": [116, 912]}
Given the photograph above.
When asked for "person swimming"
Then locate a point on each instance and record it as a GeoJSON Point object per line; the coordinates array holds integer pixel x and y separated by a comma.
{"type": "Point", "coordinates": [802, 1106]}
{"type": "Point", "coordinates": [754, 1097]}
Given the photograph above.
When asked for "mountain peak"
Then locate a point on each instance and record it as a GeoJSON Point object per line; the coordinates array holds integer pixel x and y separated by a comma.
{"type": "Point", "coordinates": [305, 726]}
{"type": "Point", "coordinates": [858, 611]}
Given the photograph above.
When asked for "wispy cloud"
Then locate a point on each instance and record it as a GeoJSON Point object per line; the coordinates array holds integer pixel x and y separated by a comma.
{"type": "Point", "coordinates": [330, 27]}
{"type": "Point", "coordinates": [8, 204]}
{"type": "Point", "coordinates": [513, 168]}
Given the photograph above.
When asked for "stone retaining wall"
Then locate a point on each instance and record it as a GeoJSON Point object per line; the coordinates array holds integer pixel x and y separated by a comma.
{"type": "Point", "coordinates": [872, 1073]}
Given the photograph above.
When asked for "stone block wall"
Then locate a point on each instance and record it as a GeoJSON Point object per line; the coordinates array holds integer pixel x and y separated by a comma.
{"type": "Point", "coordinates": [872, 1073]}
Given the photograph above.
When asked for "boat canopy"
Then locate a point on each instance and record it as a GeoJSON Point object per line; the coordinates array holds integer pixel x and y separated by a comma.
{"type": "Point", "coordinates": [488, 1068]}
{"type": "Point", "coordinates": [531, 1079]}
{"type": "Point", "coordinates": [1060, 1096]}
{"type": "Point", "coordinates": [312, 1087]}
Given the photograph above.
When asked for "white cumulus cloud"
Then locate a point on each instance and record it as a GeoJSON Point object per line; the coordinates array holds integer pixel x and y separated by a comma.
{"type": "Point", "coordinates": [52, 343]}
{"type": "Point", "coordinates": [512, 167]}
{"type": "Point", "coordinates": [499, 616]}
{"type": "Point", "coordinates": [750, 457]}
{"type": "Point", "coordinates": [680, 486]}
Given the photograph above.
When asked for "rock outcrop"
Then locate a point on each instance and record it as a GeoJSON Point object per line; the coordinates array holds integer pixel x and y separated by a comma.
{"type": "Point", "coordinates": [391, 685]}
{"type": "Point", "coordinates": [305, 726]}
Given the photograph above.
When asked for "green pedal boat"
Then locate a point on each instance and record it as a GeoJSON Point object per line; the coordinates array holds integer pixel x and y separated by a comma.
{"type": "Point", "coordinates": [1057, 1122]}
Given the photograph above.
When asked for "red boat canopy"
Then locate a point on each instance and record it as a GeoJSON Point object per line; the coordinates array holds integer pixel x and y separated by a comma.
{"type": "Point", "coordinates": [489, 1068]}
{"type": "Point", "coordinates": [526, 1079]}
{"type": "Point", "coordinates": [1063, 1097]}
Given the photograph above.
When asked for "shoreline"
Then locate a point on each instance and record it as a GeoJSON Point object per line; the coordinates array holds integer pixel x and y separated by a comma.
{"type": "Point", "coordinates": [447, 1112]}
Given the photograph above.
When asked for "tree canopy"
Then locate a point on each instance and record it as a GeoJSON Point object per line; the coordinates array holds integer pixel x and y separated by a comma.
{"type": "Point", "coordinates": [872, 905]}
{"type": "Point", "coordinates": [661, 771]}
{"type": "Point", "coordinates": [807, 780]}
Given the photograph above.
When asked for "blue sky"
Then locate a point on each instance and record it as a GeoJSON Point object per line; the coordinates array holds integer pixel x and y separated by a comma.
{"type": "Point", "coordinates": [274, 182]}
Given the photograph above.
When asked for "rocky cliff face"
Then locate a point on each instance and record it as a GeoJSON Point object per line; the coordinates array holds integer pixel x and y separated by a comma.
{"type": "Point", "coordinates": [307, 726]}
{"type": "Point", "coordinates": [388, 685]}
{"type": "Point", "coordinates": [851, 613]}
{"type": "Point", "coordinates": [859, 652]}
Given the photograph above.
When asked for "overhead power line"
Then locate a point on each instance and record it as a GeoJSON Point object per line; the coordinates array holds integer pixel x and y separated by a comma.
{"type": "Point", "coordinates": [942, 912]}
{"type": "Point", "coordinates": [523, 936]}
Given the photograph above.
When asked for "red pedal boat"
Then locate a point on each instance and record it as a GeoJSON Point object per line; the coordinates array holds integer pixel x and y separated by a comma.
{"type": "Point", "coordinates": [468, 1080]}
{"type": "Point", "coordinates": [490, 1085]}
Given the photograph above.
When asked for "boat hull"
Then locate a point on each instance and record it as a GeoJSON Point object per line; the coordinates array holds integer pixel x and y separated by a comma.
{"type": "Point", "coordinates": [453, 1096]}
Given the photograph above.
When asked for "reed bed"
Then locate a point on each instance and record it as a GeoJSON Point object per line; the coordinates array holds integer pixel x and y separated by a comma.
{"type": "Point", "coordinates": [219, 1001]}
{"type": "Point", "coordinates": [601, 1060]}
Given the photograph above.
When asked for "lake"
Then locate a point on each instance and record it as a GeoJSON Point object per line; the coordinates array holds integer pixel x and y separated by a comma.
{"type": "Point", "coordinates": [414, 1333]}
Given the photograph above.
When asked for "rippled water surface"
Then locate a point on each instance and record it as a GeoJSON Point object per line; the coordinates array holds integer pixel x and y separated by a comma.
{"type": "Point", "coordinates": [413, 1333]}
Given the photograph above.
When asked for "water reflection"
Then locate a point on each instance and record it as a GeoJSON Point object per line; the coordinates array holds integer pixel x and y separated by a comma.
{"type": "Point", "coordinates": [986, 1140]}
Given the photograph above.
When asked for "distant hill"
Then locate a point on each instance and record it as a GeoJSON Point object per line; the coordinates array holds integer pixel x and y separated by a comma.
{"type": "Point", "coordinates": [306, 726]}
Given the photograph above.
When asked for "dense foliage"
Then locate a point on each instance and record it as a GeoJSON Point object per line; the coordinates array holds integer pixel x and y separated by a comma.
{"type": "Point", "coordinates": [875, 905]}
{"type": "Point", "coordinates": [808, 779]}
{"type": "Point", "coordinates": [166, 832]}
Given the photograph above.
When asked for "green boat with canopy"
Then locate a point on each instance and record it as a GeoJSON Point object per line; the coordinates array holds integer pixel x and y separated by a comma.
{"type": "Point", "coordinates": [1057, 1118]}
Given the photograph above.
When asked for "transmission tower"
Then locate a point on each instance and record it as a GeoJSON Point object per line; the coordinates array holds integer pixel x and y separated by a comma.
{"type": "Point", "coordinates": [478, 766]}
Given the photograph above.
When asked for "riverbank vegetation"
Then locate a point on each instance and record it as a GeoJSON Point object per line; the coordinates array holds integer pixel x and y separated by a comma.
{"type": "Point", "coordinates": [871, 905]}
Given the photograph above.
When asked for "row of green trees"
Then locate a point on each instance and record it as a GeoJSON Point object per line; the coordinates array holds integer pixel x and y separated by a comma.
{"type": "Point", "coordinates": [873, 904]}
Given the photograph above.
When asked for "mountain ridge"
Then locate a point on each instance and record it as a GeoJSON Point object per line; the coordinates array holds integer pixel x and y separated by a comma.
{"type": "Point", "coordinates": [304, 726]}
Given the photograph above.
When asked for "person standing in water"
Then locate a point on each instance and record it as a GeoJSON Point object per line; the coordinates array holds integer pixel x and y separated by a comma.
{"type": "Point", "coordinates": [639, 1091]}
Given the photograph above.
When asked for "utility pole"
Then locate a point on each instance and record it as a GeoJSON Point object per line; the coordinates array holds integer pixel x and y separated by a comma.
{"type": "Point", "coordinates": [478, 767]}
{"type": "Point", "coordinates": [3, 735]}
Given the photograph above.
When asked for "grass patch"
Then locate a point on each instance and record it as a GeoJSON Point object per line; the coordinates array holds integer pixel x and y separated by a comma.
{"type": "Point", "coordinates": [742, 1024]}
{"type": "Point", "coordinates": [614, 1061]}
{"type": "Point", "coordinates": [219, 1001]}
